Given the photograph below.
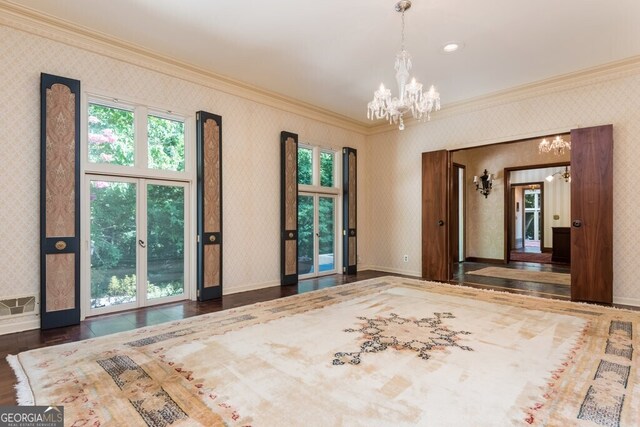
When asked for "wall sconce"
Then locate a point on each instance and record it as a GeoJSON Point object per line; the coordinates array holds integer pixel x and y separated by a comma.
{"type": "Point", "coordinates": [566, 175]}
{"type": "Point", "coordinates": [484, 183]}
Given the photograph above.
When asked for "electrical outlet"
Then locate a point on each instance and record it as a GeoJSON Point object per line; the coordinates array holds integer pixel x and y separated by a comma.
{"type": "Point", "coordinates": [359, 259]}
{"type": "Point", "coordinates": [405, 258]}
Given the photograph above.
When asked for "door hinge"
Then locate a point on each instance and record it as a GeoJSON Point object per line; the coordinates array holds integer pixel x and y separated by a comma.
{"type": "Point", "coordinates": [344, 269]}
{"type": "Point", "coordinates": [344, 232]}
{"type": "Point", "coordinates": [198, 293]}
{"type": "Point", "coordinates": [198, 238]}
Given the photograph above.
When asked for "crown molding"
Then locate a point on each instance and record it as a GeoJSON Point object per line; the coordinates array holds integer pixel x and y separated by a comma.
{"type": "Point", "coordinates": [44, 25]}
{"type": "Point", "coordinates": [586, 77]}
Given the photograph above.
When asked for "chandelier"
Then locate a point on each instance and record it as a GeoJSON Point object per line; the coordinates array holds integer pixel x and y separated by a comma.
{"type": "Point", "coordinates": [557, 145]}
{"type": "Point", "coordinates": [412, 99]}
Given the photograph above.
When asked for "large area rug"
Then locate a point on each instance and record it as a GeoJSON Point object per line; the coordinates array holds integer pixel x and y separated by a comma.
{"type": "Point", "coordinates": [386, 351]}
{"type": "Point", "coordinates": [524, 275]}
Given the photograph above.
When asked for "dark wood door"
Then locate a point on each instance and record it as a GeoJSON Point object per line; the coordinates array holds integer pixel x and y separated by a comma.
{"type": "Point", "coordinates": [436, 257]}
{"type": "Point", "coordinates": [592, 214]}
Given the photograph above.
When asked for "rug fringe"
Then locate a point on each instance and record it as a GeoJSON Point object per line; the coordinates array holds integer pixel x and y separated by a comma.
{"type": "Point", "coordinates": [24, 394]}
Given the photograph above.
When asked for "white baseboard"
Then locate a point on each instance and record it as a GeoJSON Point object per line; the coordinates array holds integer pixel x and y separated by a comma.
{"type": "Point", "coordinates": [26, 323]}
{"type": "Point", "coordinates": [250, 287]}
{"type": "Point", "coordinates": [627, 301]}
{"type": "Point", "coordinates": [391, 270]}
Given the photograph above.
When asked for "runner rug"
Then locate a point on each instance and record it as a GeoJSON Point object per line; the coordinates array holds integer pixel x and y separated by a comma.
{"type": "Point", "coordinates": [524, 275]}
{"type": "Point", "coordinates": [387, 351]}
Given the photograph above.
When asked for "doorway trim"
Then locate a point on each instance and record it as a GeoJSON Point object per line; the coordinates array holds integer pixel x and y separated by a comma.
{"type": "Point", "coordinates": [507, 203]}
{"type": "Point", "coordinates": [510, 215]}
{"type": "Point", "coordinates": [455, 213]}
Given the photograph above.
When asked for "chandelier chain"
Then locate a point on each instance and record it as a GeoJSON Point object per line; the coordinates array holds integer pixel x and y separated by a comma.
{"type": "Point", "coordinates": [402, 39]}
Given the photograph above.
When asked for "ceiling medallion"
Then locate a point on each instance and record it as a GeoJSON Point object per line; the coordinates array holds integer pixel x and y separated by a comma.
{"type": "Point", "coordinates": [557, 145]}
{"type": "Point", "coordinates": [412, 99]}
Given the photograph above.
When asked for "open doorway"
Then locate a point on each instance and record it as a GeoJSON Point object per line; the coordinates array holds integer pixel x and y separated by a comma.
{"type": "Point", "coordinates": [527, 217]}
{"type": "Point", "coordinates": [539, 211]}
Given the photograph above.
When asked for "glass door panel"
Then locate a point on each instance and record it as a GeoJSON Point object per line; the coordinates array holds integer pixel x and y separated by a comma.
{"type": "Point", "coordinates": [306, 234]}
{"type": "Point", "coordinates": [165, 240]}
{"type": "Point", "coordinates": [326, 234]}
{"type": "Point", "coordinates": [113, 243]}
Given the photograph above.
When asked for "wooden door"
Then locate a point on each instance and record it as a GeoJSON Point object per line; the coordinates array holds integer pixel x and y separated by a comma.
{"type": "Point", "coordinates": [436, 257]}
{"type": "Point", "coordinates": [592, 214]}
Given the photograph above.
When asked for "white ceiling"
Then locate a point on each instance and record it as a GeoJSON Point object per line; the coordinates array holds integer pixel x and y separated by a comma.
{"type": "Point", "coordinates": [333, 54]}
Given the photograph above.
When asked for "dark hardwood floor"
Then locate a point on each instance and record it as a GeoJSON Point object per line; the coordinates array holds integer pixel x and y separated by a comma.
{"type": "Point", "coordinates": [545, 290]}
{"type": "Point", "coordinates": [128, 320]}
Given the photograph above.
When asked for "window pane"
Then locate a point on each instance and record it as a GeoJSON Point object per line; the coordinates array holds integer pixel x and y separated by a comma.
{"type": "Point", "coordinates": [305, 234]}
{"type": "Point", "coordinates": [113, 243]}
{"type": "Point", "coordinates": [326, 169]}
{"type": "Point", "coordinates": [326, 243]}
{"type": "Point", "coordinates": [529, 200]}
{"type": "Point", "coordinates": [110, 136]}
{"type": "Point", "coordinates": [166, 144]}
{"type": "Point", "coordinates": [305, 169]}
{"type": "Point", "coordinates": [529, 225]}
{"type": "Point", "coordinates": [165, 241]}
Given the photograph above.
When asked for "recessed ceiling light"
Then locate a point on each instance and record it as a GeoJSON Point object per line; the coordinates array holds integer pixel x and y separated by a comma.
{"type": "Point", "coordinates": [452, 47]}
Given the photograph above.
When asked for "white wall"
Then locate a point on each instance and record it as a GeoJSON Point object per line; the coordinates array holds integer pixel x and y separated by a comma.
{"type": "Point", "coordinates": [394, 159]}
{"type": "Point", "coordinates": [251, 158]}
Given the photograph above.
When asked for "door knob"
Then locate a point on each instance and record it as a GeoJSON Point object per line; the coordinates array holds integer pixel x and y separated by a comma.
{"type": "Point", "coordinates": [441, 223]}
{"type": "Point", "coordinates": [577, 223]}
{"type": "Point", "coordinates": [142, 244]}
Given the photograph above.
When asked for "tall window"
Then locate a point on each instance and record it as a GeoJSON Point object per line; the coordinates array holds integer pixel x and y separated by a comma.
{"type": "Point", "coordinates": [138, 185]}
{"type": "Point", "coordinates": [317, 207]}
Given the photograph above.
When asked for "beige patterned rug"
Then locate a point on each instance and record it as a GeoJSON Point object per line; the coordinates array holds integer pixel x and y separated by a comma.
{"type": "Point", "coordinates": [387, 351]}
{"type": "Point", "coordinates": [524, 275]}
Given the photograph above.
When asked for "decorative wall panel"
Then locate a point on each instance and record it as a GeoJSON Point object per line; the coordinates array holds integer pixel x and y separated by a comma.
{"type": "Point", "coordinates": [209, 165]}
{"type": "Point", "coordinates": [349, 206]}
{"type": "Point", "coordinates": [59, 201]}
{"type": "Point", "coordinates": [289, 208]}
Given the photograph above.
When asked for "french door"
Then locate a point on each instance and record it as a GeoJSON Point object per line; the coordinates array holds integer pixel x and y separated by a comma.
{"type": "Point", "coordinates": [316, 235]}
{"type": "Point", "coordinates": [137, 232]}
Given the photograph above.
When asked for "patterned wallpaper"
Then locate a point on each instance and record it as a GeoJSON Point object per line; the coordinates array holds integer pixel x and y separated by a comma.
{"type": "Point", "coordinates": [251, 164]}
{"type": "Point", "coordinates": [394, 163]}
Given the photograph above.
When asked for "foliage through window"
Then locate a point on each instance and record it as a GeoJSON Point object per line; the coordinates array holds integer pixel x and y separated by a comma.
{"type": "Point", "coordinates": [305, 166]}
{"type": "Point", "coordinates": [111, 135]}
{"type": "Point", "coordinates": [112, 139]}
{"type": "Point", "coordinates": [326, 168]}
{"type": "Point", "coordinates": [166, 143]}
